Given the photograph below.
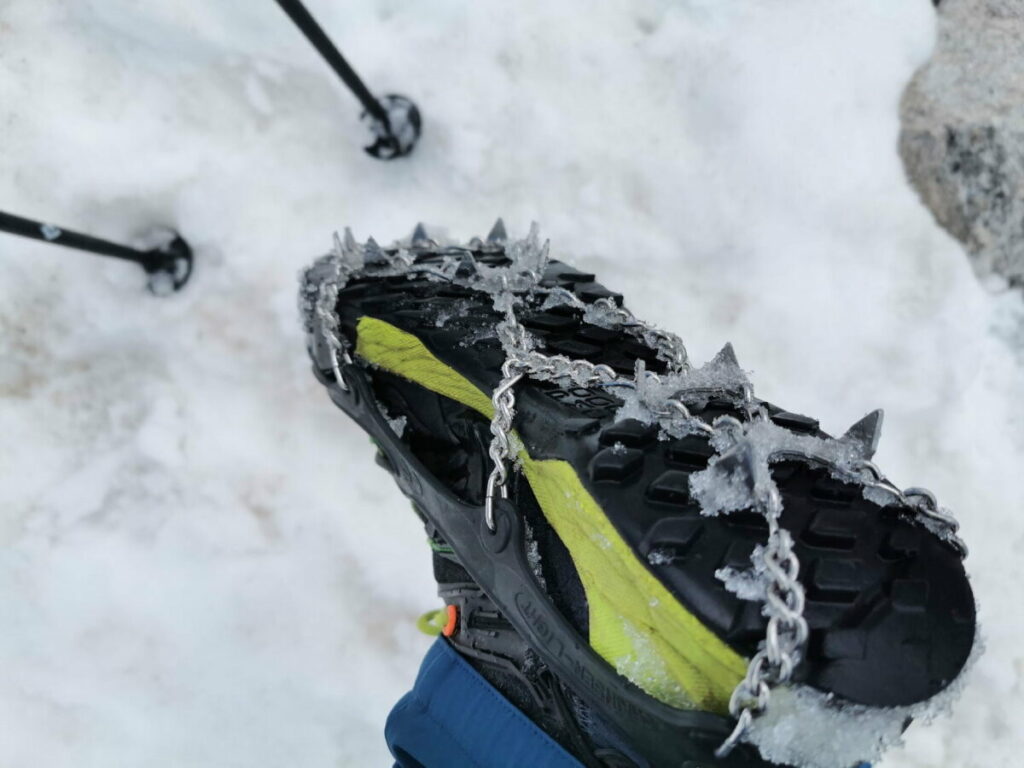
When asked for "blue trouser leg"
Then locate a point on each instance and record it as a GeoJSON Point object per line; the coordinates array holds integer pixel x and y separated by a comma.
{"type": "Point", "coordinates": [454, 718]}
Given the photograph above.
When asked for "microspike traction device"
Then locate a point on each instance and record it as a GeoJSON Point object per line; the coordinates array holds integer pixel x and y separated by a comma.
{"type": "Point", "coordinates": [646, 558]}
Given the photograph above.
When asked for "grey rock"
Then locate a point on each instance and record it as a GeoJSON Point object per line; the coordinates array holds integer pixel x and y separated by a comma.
{"type": "Point", "coordinates": [962, 137]}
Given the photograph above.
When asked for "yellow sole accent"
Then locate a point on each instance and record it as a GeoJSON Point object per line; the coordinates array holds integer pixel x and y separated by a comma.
{"type": "Point", "coordinates": [636, 624]}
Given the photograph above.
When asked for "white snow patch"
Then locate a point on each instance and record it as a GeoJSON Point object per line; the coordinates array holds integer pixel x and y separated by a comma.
{"type": "Point", "coordinates": [646, 668]}
{"type": "Point", "coordinates": [807, 728]}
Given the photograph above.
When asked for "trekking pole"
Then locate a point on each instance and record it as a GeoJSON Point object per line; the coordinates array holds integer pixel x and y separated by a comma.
{"type": "Point", "coordinates": [394, 120]}
{"type": "Point", "coordinates": [168, 264]}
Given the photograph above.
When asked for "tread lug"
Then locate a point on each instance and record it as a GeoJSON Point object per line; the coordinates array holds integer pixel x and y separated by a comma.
{"type": "Point", "coordinates": [616, 465]}
{"type": "Point", "coordinates": [671, 487]}
{"type": "Point", "coordinates": [631, 433]}
{"type": "Point", "coordinates": [690, 451]}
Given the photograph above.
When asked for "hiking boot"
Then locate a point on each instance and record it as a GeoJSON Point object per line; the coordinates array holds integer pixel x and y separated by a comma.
{"type": "Point", "coordinates": [661, 568]}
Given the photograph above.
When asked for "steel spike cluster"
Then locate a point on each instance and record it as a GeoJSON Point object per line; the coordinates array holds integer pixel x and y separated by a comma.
{"type": "Point", "coordinates": [865, 433]}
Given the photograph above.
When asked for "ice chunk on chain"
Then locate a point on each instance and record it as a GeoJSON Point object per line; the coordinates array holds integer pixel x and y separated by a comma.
{"type": "Point", "coordinates": [505, 302]}
{"type": "Point", "coordinates": [310, 280]}
{"type": "Point", "coordinates": [603, 315]}
{"type": "Point", "coordinates": [528, 261]}
{"type": "Point", "coordinates": [740, 475]}
{"type": "Point", "coordinates": [721, 375]}
{"type": "Point", "coordinates": [632, 407]}
{"type": "Point", "coordinates": [733, 481]}
{"type": "Point", "coordinates": [528, 255]}
{"type": "Point", "coordinates": [810, 729]}
{"type": "Point", "coordinates": [606, 313]}
{"type": "Point", "coordinates": [346, 259]}
{"type": "Point", "coordinates": [561, 297]}
{"type": "Point", "coordinates": [747, 583]}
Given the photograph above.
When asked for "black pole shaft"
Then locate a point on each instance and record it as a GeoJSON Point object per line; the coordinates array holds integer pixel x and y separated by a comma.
{"type": "Point", "coordinates": [307, 24]}
{"type": "Point", "coordinates": [37, 230]}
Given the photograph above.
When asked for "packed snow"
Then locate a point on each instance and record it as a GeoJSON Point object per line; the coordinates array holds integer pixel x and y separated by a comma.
{"type": "Point", "coordinates": [199, 562]}
{"type": "Point", "coordinates": [646, 399]}
{"type": "Point", "coordinates": [740, 476]}
{"type": "Point", "coordinates": [748, 583]}
{"type": "Point", "coordinates": [805, 727]}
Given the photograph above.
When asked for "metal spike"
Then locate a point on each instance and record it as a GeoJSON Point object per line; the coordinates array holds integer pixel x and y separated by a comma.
{"type": "Point", "coordinates": [419, 235]}
{"type": "Point", "coordinates": [497, 233]}
{"type": "Point", "coordinates": [348, 250]}
{"type": "Point", "coordinates": [350, 241]}
{"type": "Point", "coordinates": [529, 255]}
{"type": "Point", "coordinates": [533, 236]}
{"type": "Point", "coordinates": [727, 355]}
{"type": "Point", "coordinates": [866, 432]}
{"type": "Point", "coordinates": [373, 253]}
{"type": "Point", "coordinates": [543, 257]}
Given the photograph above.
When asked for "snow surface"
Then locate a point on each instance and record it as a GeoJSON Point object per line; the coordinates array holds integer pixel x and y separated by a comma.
{"type": "Point", "coordinates": [199, 563]}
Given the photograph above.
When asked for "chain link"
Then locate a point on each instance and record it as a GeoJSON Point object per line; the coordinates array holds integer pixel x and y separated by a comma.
{"type": "Point", "coordinates": [521, 360]}
{"type": "Point", "coordinates": [786, 633]}
{"type": "Point", "coordinates": [504, 402]}
{"type": "Point", "coordinates": [921, 500]}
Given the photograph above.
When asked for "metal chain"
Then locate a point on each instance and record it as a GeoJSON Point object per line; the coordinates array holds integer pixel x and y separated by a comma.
{"type": "Point", "coordinates": [667, 345]}
{"type": "Point", "coordinates": [325, 309]}
{"type": "Point", "coordinates": [504, 401]}
{"type": "Point", "coordinates": [787, 631]}
{"type": "Point", "coordinates": [921, 500]}
{"type": "Point", "coordinates": [522, 361]}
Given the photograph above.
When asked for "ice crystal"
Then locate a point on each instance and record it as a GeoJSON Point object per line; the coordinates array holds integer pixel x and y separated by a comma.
{"type": "Point", "coordinates": [810, 729]}
{"type": "Point", "coordinates": [749, 583]}
{"type": "Point", "coordinates": [398, 424]}
{"type": "Point", "coordinates": [720, 376]}
{"type": "Point", "coordinates": [740, 475]}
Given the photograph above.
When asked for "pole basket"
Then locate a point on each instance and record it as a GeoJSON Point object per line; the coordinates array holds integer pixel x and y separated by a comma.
{"type": "Point", "coordinates": [399, 135]}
